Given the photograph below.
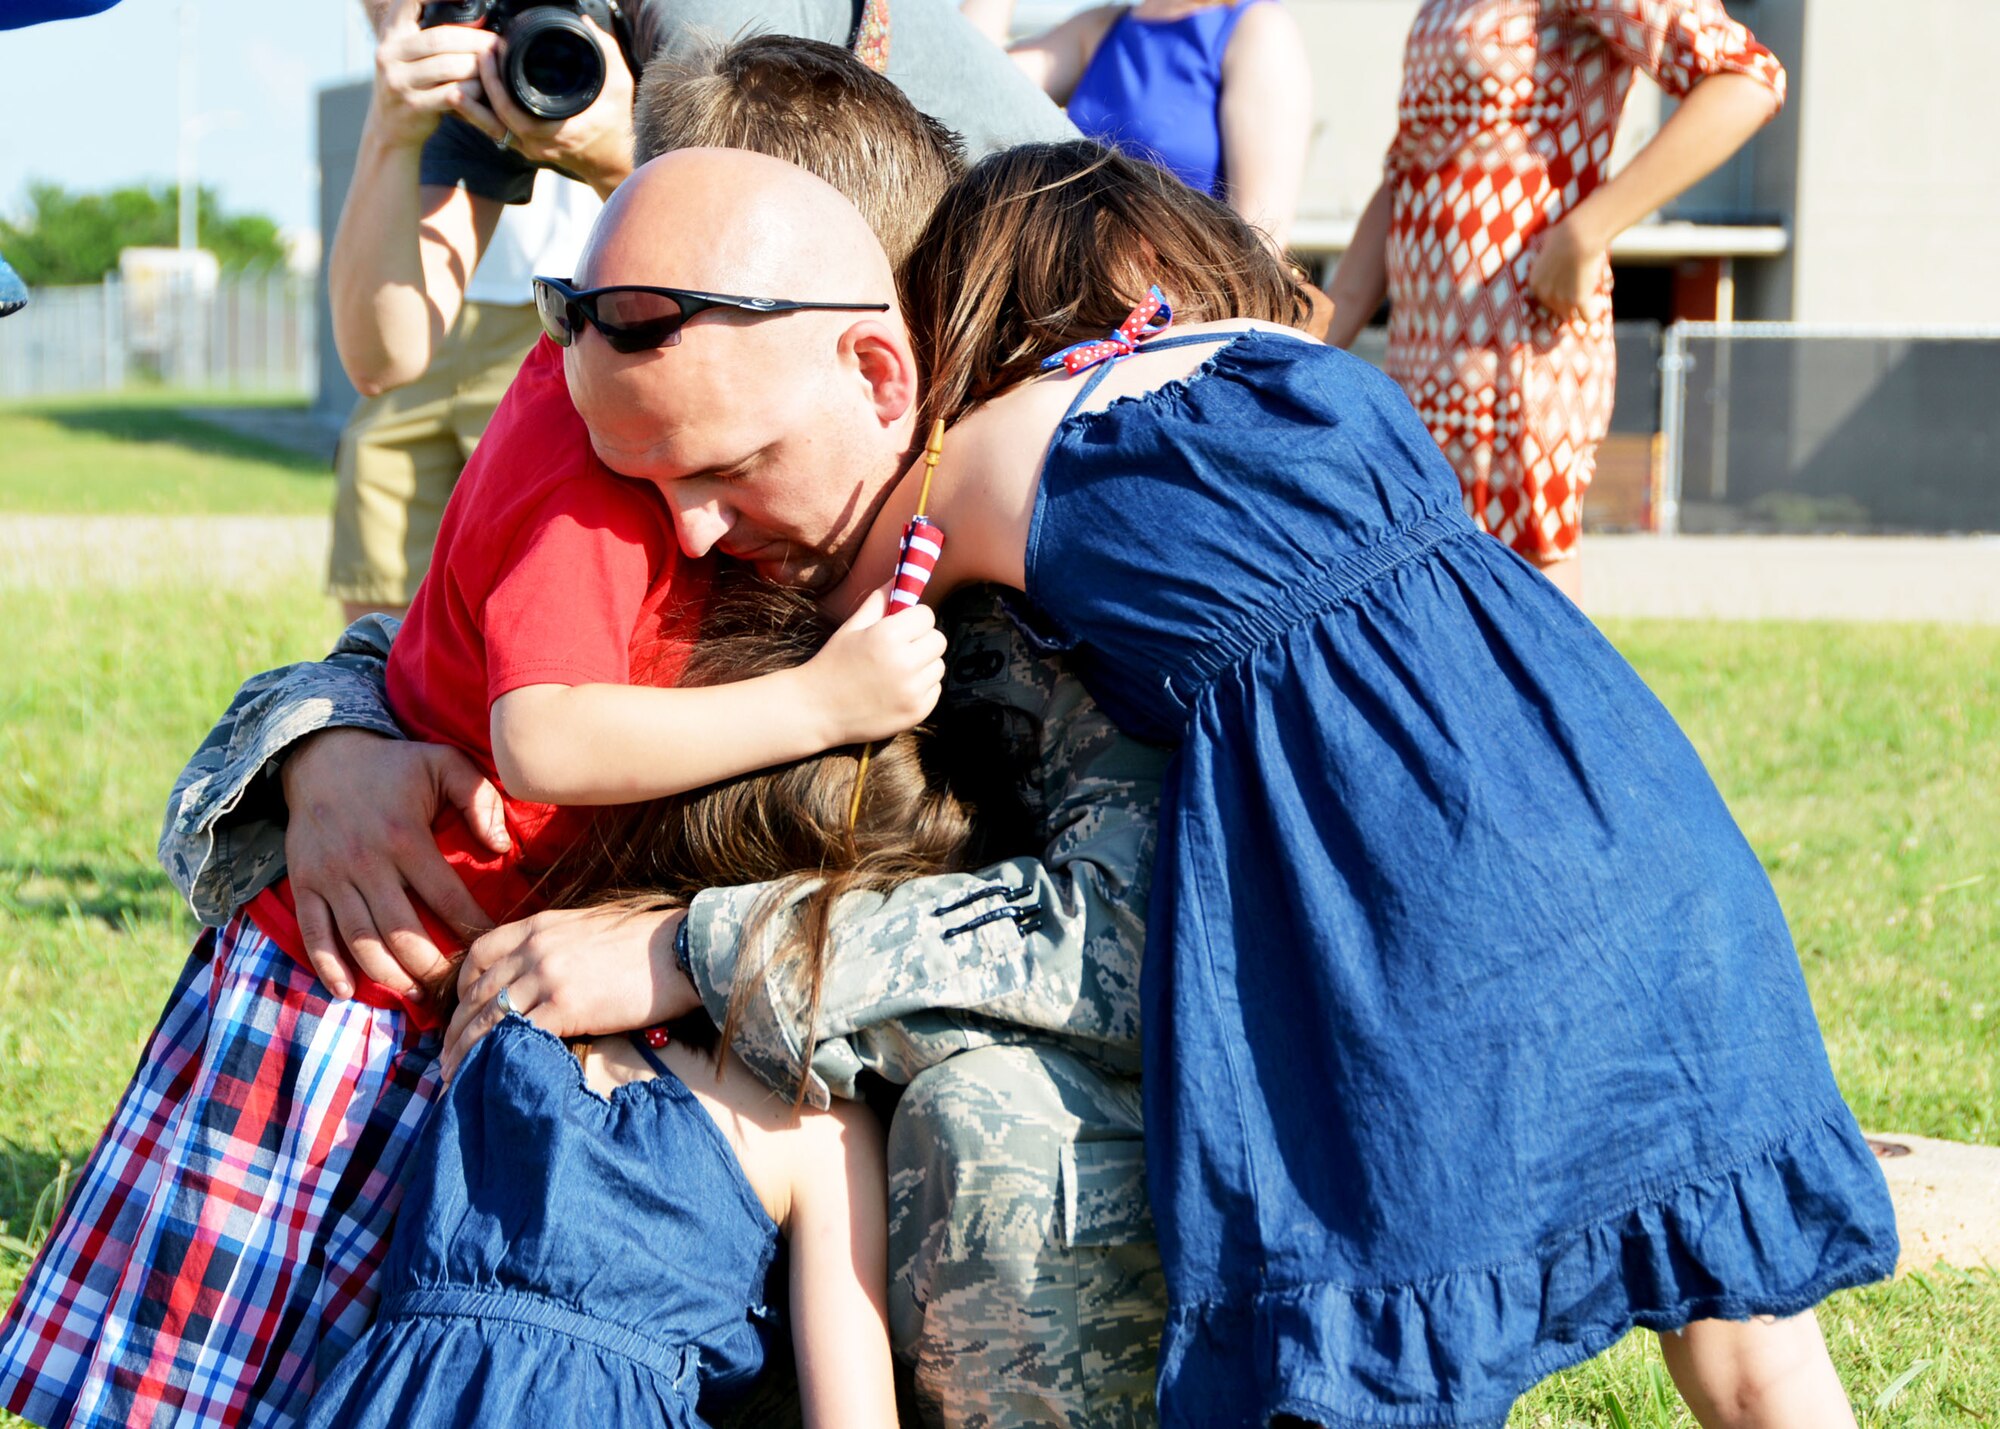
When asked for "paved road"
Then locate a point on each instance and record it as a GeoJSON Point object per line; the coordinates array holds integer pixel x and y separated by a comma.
{"type": "Point", "coordinates": [1713, 577]}
{"type": "Point", "coordinates": [1952, 579]}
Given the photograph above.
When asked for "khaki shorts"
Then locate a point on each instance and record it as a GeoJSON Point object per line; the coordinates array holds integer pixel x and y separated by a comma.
{"type": "Point", "coordinates": [401, 453]}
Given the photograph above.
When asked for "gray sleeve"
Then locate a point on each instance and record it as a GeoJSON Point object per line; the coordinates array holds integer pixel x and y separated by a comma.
{"type": "Point", "coordinates": [1043, 949]}
{"type": "Point", "coordinates": [965, 81]}
{"type": "Point", "coordinates": [950, 71]}
{"type": "Point", "coordinates": [681, 29]}
{"type": "Point", "coordinates": [223, 839]}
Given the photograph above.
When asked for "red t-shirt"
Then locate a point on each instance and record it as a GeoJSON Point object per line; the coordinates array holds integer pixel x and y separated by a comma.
{"type": "Point", "coordinates": [550, 569]}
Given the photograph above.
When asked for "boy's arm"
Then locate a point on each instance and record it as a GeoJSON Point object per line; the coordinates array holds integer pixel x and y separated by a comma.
{"type": "Point", "coordinates": [620, 744]}
{"type": "Point", "coordinates": [1047, 946]}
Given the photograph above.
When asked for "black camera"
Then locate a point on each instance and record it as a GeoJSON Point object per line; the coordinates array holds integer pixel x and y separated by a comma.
{"type": "Point", "coordinates": [551, 65]}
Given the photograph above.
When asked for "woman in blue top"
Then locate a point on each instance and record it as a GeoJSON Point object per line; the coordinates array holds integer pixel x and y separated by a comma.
{"type": "Point", "coordinates": [1215, 91]}
{"type": "Point", "coordinates": [1473, 1032]}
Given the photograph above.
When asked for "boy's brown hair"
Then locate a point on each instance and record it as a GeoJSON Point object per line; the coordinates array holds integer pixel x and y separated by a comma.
{"type": "Point", "coordinates": [1045, 245]}
{"type": "Point", "coordinates": [810, 104]}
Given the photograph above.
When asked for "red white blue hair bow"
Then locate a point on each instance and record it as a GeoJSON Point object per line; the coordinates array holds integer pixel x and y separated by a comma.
{"type": "Point", "coordinates": [1149, 319]}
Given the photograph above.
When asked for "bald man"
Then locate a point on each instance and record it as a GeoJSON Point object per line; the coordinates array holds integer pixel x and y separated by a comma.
{"type": "Point", "coordinates": [1025, 1286]}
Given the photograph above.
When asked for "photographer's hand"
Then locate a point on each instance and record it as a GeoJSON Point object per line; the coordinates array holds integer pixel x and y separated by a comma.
{"type": "Point", "coordinates": [422, 75]}
{"type": "Point", "coordinates": [596, 145]}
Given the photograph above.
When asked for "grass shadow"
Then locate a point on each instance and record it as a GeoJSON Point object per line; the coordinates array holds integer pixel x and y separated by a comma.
{"type": "Point", "coordinates": [29, 1195]}
{"type": "Point", "coordinates": [31, 889]}
{"type": "Point", "coordinates": [147, 421]}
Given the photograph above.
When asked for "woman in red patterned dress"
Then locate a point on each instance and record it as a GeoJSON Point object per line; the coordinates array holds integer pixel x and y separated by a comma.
{"type": "Point", "coordinates": [1491, 229]}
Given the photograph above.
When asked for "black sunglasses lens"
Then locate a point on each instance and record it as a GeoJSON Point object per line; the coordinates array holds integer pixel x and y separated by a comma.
{"type": "Point", "coordinates": [633, 320]}
{"type": "Point", "coordinates": [558, 315]}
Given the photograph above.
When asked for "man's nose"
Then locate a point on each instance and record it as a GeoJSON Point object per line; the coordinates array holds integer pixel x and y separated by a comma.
{"type": "Point", "coordinates": [698, 524]}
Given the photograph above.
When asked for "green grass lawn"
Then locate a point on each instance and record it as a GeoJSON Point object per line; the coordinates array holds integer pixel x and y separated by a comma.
{"type": "Point", "coordinates": [139, 453]}
{"type": "Point", "coordinates": [1864, 763]}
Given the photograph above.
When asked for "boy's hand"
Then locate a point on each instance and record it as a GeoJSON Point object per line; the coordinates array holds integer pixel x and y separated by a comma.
{"type": "Point", "coordinates": [575, 972]}
{"type": "Point", "coordinates": [879, 674]}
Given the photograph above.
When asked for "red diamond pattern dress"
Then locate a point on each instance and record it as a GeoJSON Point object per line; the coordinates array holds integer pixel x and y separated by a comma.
{"type": "Point", "coordinates": [1506, 120]}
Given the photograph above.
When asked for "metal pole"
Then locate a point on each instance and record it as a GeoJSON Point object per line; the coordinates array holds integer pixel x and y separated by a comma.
{"type": "Point", "coordinates": [1673, 407]}
{"type": "Point", "coordinates": [190, 197]}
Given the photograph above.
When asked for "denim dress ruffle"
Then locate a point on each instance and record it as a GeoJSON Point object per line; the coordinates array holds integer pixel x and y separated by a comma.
{"type": "Point", "coordinates": [1474, 1034]}
{"type": "Point", "coordinates": [561, 1258]}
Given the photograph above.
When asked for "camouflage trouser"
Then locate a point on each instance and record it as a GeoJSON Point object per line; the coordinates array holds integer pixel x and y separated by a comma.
{"type": "Point", "coordinates": [1024, 1285]}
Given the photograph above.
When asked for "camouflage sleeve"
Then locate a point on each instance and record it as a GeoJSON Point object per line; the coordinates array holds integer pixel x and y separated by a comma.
{"type": "Point", "coordinates": [1027, 949]}
{"type": "Point", "coordinates": [224, 835]}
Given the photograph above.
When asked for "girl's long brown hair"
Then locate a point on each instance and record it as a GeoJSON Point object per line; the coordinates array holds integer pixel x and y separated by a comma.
{"type": "Point", "coordinates": [1044, 245]}
{"type": "Point", "coordinates": [787, 826]}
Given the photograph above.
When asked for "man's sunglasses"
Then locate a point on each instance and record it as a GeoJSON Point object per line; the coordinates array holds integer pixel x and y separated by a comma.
{"type": "Point", "coordinates": [634, 319]}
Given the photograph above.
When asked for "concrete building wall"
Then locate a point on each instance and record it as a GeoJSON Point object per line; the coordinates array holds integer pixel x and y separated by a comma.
{"type": "Point", "coordinates": [342, 110]}
{"type": "Point", "coordinates": [1356, 51]}
{"type": "Point", "coordinates": [1897, 208]}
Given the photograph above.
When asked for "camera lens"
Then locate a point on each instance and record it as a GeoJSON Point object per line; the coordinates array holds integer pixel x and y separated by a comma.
{"type": "Point", "coordinates": [554, 68]}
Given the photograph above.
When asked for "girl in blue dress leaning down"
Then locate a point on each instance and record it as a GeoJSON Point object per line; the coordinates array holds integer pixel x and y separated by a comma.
{"type": "Point", "coordinates": [591, 1243]}
{"type": "Point", "coordinates": [1474, 1035]}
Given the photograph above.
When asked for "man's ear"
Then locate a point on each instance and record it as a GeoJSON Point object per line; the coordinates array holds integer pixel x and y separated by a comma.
{"type": "Point", "coordinates": [879, 354]}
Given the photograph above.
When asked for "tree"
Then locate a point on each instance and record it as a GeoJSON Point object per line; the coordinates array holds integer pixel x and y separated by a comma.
{"type": "Point", "coordinates": [75, 238]}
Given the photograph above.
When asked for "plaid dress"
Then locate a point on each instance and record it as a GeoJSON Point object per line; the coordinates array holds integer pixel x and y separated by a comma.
{"type": "Point", "coordinates": [222, 1246]}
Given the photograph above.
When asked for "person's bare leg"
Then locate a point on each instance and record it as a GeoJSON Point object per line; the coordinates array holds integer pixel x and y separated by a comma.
{"type": "Point", "coordinates": [1757, 1374]}
{"type": "Point", "coordinates": [353, 610]}
{"type": "Point", "coordinates": [1567, 575]}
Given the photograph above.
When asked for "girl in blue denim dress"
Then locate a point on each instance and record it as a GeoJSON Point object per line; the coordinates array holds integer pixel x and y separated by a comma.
{"type": "Point", "coordinates": [591, 1240]}
{"type": "Point", "coordinates": [1474, 1034]}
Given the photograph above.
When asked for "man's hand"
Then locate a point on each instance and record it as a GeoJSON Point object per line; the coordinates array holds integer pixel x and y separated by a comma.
{"type": "Point", "coordinates": [575, 972]}
{"type": "Point", "coordinates": [359, 842]}
{"type": "Point", "coordinates": [596, 145]}
{"type": "Point", "coordinates": [423, 75]}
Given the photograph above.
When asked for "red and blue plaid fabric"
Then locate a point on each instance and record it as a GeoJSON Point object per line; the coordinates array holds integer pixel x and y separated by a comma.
{"type": "Point", "coordinates": [221, 1248]}
{"type": "Point", "coordinates": [1139, 325]}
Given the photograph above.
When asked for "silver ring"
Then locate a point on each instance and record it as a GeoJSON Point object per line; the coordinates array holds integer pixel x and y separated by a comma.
{"type": "Point", "coordinates": [505, 1004]}
{"type": "Point", "coordinates": [506, 139]}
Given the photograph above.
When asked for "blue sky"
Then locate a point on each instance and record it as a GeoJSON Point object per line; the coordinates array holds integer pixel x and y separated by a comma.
{"type": "Point", "coordinates": [93, 103]}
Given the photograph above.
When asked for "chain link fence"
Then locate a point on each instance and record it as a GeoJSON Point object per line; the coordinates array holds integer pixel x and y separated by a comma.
{"type": "Point", "coordinates": [1790, 427]}
{"type": "Point", "coordinates": [247, 333]}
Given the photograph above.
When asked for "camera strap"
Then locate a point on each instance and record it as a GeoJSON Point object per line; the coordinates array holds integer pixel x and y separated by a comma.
{"type": "Point", "coordinates": [869, 39]}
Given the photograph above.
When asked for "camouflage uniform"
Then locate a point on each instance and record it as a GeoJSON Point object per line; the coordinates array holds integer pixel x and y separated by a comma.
{"type": "Point", "coordinates": [1025, 1286]}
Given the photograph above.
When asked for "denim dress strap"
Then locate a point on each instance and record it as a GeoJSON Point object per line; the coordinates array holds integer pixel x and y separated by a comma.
{"type": "Point", "coordinates": [1153, 344]}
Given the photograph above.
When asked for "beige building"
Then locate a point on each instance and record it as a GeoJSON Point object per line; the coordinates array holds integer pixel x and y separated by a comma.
{"type": "Point", "coordinates": [1874, 198]}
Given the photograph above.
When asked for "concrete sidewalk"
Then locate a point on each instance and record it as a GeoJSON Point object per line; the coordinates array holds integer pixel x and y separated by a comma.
{"type": "Point", "coordinates": [1942, 578]}
{"type": "Point", "coordinates": [1947, 1197]}
{"type": "Point", "coordinates": [1692, 577]}
{"type": "Point", "coordinates": [124, 552]}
